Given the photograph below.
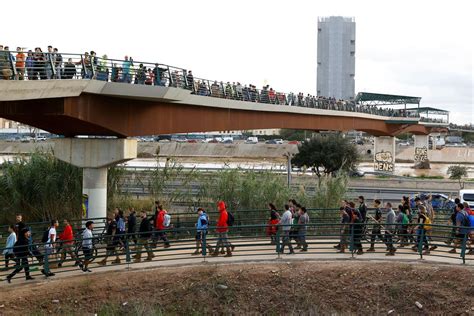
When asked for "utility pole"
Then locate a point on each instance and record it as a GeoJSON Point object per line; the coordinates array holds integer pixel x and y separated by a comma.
{"type": "Point", "coordinates": [288, 155]}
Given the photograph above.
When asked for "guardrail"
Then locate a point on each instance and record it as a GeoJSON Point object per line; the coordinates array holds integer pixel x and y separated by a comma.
{"type": "Point", "coordinates": [40, 65]}
{"type": "Point", "coordinates": [187, 220]}
{"type": "Point", "coordinates": [252, 241]}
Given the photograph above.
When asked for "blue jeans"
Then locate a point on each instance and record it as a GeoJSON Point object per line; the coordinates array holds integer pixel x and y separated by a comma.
{"type": "Point", "coordinates": [419, 232]}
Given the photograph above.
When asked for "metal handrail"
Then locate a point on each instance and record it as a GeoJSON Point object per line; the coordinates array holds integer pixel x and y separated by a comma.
{"type": "Point", "coordinates": [246, 240]}
{"type": "Point", "coordinates": [107, 69]}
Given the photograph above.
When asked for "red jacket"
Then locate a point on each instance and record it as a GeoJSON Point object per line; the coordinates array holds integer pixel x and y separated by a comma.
{"type": "Point", "coordinates": [159, 221]}
{"type": "Point", "coordinates": [67, 235]}
{"type": "Point", "coordinates": [222, 226]}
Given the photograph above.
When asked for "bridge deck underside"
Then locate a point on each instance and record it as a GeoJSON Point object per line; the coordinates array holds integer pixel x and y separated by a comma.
{"type": "Point", "coordinates": [91, 114]}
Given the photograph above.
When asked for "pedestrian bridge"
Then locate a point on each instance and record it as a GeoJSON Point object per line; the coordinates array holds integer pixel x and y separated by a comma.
{"type": "Point", "coordinates": [93, 107]}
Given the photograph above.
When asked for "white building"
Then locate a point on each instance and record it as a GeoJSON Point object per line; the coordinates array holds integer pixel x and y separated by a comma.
{"type": "Point", "coordinates": [336, 57]}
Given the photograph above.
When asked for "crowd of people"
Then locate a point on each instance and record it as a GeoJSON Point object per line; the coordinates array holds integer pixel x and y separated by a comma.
{"type": "Point", "coordinates": [39, 65]}
{"type": "Point", "coordinates": [406, 226]}
{"type": "Point", "coordinates": [412, 226]}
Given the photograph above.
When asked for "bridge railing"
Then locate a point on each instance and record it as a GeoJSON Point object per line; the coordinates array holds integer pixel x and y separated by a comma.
{"type": "Point", "coordinates": [187, 220]}
{"type": "Point", "coordinates": [45, 65]}
{"type": "Point", "coordinates": [321, 240]}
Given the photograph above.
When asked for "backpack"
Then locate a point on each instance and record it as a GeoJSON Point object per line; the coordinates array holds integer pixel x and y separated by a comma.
{"type": "Point", "coordinates": [45, 236]}
{"type": "Point", "coordinates": [466, 222]}
{"type": "Point", "coordinates": [230, 219]}
{"type": "Point", "coordinates": [167, 220]}
{"type": "Point", "coordinates": [427, 222]}
{"type": "Point", "coordinates": [405, 219]}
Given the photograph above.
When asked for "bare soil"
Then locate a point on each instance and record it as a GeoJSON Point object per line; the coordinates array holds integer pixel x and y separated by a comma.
{"type": "Point", "coordinates": [342, 287]}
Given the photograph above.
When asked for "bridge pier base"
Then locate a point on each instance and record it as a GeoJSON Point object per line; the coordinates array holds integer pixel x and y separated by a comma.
{"type": "Point", "coordinates": [421, 150]}
{"type": "Point", "coordinates": [95, 156]}
{"type": "Point", "coordinates": [384, 154]}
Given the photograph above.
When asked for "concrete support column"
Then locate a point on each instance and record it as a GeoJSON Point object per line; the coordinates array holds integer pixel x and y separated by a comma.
{"type": "Point", "coordinates": [421, 148]}
{"type": "Point", "coordinates": [95, 156]}
{"type": "Point", "coordinates": [384, 154]}
{"type": "Point", "coordinates": [94, 187]}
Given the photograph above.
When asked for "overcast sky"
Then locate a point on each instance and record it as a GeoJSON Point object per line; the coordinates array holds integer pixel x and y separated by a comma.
{"type": "Point", "coordinates": [417, 48]}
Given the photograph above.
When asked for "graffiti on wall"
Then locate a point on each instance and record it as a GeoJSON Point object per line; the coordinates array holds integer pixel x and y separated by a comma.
{"type": "Point", "coordinates": [384, 161]}
{"type": "Point", "coordinates": [421, 154]}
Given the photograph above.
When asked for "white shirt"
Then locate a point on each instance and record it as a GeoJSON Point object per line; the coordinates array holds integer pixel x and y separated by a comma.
{"type": "Point", "coordinates": [285, 220]}
{"type": "Point", "coordinates": [52, 232]}
{"type": "Point", "coordinates": [87, 238]}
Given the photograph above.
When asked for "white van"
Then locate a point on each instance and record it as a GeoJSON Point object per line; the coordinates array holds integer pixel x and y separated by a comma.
{"type": "Point", "coordinates": [467, 196]}
{"type": "Point", "coordinates": [251, 140]}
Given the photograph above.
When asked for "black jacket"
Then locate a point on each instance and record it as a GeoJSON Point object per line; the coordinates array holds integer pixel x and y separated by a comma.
{"type": "Point", "coordinates": [145, 228]}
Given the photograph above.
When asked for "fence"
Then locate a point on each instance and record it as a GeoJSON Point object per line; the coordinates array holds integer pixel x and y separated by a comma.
{"type": "Point", "coordinates": [40, 65]}
{"type": "Point", "coordinates": [251, 241]}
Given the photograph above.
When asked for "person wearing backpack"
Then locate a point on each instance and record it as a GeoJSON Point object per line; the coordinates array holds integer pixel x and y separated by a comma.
{"type": "Point", "coordinates": [463, 225]}
{"type": "Point", "coordinates": [424, 224]}
{"type": "Point", "coordinates": [21, 250]}
{"type": "Point", "coordinates": [222, 230]}
{"type": "Point", "coordinates": [160, 225]}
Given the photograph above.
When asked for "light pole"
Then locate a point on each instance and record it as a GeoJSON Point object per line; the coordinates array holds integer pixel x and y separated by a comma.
{"type": "Point", "coordinates": [288, 156]}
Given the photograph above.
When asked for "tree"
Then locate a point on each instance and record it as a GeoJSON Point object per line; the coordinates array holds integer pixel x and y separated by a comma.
{"type": "Point", "coordinates": [326, 154]}
{"type": "Point", "coordinates": [457, 173]}
{"type": "Point", "coordinates": [41, 187]}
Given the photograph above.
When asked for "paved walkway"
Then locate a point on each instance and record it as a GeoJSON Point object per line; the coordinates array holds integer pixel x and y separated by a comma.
{"type": "Point", "coordinates": [257, 250]}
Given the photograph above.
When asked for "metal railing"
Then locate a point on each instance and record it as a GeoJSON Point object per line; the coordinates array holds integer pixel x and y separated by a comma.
{"type": "Point", "coordinates": [316, 240]}
{"type": "Point", "coordinates": [17, 65]}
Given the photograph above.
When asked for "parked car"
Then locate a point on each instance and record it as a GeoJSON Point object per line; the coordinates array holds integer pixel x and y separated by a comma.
{"type": "Point", "coordinates": [439, 201]}
{"type": "Point", "coordinates": [193, 141]}
{"type": "Point", "coordinates": [293, 142]}
{"type": "Point", "coordinates": [181, 139]}
{"type": "Point", "coordinates": [467, 196]}
{"type": "Point", "coordinates": [277, 141]}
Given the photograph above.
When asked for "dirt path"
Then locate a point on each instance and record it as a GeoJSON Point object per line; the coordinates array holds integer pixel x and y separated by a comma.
{"type": "Point", "coordinates": [271, 288]}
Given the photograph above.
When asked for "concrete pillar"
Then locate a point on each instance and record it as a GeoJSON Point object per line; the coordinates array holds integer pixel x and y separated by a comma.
{"type": "Point", "coordinates": [95, 155]}
{"type": "Point", "coordinates": [421, 148]}
{"type": "Point", "coordinates": [384, 153]}
{"type": "Point", "coordinates": [94, 187]}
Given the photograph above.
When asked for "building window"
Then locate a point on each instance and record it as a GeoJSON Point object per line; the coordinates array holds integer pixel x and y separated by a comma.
{"type": "Point", "coordinates": [353, 42]}
{"type": "Point", "coordinates": [353, 53]}
{"type": "Point", "coordinates": [319, 29]}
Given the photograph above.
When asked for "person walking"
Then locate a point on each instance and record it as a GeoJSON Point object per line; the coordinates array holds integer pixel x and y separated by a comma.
{"type": "Point", "coordinates": [390, 229]}
{"type": "Point", "coordinates": [87, 246]}
{"type": "Point", "coordinates": [67, 242]}
{"type": "Point", "coordinates": [160, 225]}
{"type": "Point", "coordinates": [462, 227]}
{"type": "Point", "coordinates": [272, 226]}
{"type": "Point", "coordinates": [303, 221]}
{"type": "Point", "coordinates": [222, 230]}
{"type": "Point", "coordinates": [132, 225]}
{"type": "Point", "coordinates": [285, 223]}
{"type": "Point", "coordinates": [376, 228]}
{"type": "Point", "coordinates": [345, 229]}
{"type": "Point", "coordinates": [201, 231]}
{"type": "Point", "coordinates": [424, 224]}
{"type": "Point", "coordinates": [111, 239]}
{"type": "Point", "coordinates": [49, 248]}
{"type": "Point", "coordinates": [21, 251]}
{"type": "Point", "coordinates": [144, 236]}
{"type": "Point", "coordinates": [8, 251]}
